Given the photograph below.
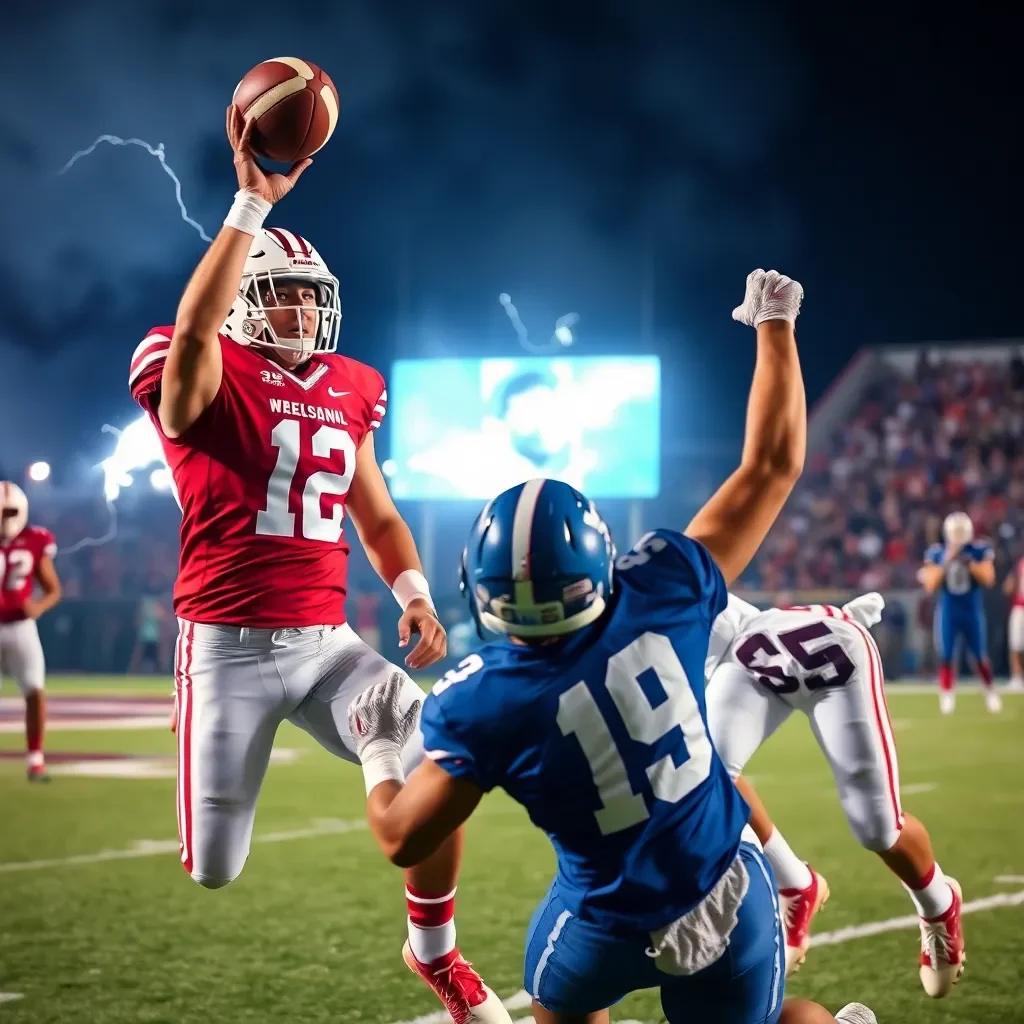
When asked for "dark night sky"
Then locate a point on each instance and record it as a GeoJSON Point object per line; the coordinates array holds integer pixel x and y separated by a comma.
{"type": "Point", "coordinates": [531, 146]}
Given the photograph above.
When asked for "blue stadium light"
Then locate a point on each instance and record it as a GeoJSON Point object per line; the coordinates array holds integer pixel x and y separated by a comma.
{"type": "Point", "coordinates": [38, 472]}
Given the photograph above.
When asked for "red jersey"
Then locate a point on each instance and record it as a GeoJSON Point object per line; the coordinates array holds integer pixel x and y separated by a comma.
{"type": "Point", "coordinates": [19, 559]}
{"type": "Point", "coordinates": [262, 477]}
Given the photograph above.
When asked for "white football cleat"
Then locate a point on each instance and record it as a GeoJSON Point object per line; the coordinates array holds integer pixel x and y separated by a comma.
{"type": "Point", "coordinates": [797, 908]}
{"type": "Point", "coordinates": [856, 1013]}
{"type": "Point", "coordinates": [993, 701]}
{"type": "Point", "coordinates": [947, 702]}
{"type": "Point", "coordinates": [1015, 685]}
{"type": "Point", "coordinates": [942, 947]}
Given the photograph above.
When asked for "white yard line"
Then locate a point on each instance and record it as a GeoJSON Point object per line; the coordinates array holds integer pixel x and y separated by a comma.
{"type": "Point", "coordinates": [161, 847]}
{"type": "Point", "coordinates": [10, 997]}
{"type": "Point", "coordinates": [521, 999]}
{"type": "Point", "coordinates": [127, 724]}
{"type": "Point", "coordinates": [932, 689]}
{"type": "Point", "coordinates": [917, 787]}
{"type": "Point", "coordinates": [895, 924]}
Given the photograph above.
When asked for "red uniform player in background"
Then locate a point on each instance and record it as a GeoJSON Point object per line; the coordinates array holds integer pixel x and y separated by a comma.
{"type": "Point", "coordinates": [269, 436]}
{"type": "Point", "coordinates": [26, 558]}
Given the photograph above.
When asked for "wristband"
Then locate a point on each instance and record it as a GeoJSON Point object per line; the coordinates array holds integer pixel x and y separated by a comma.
{"type": "Point", "coordinates": [382, 762]}
{"type": "Point", "coordinates": [248, 212]}
{"type": "Point", "coordinates": [409, 586]}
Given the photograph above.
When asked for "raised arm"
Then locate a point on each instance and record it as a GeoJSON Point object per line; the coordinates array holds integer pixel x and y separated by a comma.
{"type": "Point", "coordinates": [192, 371]}
{"type": "Point", "coordinates": [736, 519]}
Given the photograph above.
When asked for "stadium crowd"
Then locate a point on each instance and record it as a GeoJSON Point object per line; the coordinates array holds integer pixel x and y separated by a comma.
{"type": "Point", "coordinates": [926, 438]}
{"type": "Point", "coordinates": [947, 434]}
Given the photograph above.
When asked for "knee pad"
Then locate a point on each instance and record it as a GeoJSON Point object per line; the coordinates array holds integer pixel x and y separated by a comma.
{"type": "Point", "coordinates": [873, 828]}
{"type": "Point", "coordinates": [210, 882]}
{"type": "Point", "coordinates": [878, 840]}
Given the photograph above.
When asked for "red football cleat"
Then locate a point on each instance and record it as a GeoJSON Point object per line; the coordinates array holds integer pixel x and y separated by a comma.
{"type": "Point", "coordinates": [460, 988]}
{"type": "Point", "coordinates": [37, 773]}
{"type": "Point", "coordinates": [798, 907]}
{"type": "Point", "coordinates": [942, 947]}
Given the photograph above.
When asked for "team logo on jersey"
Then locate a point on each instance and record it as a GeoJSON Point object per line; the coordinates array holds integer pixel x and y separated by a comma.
{"type": "Point", "coordinates": [269, 377]}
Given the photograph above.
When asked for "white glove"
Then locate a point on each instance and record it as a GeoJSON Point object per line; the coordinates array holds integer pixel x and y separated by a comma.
{"type": "Point", "coordinates": [380, 729]}
{"type": "Point", "coordinates": [866, 609]}
{"type": "Point", "coordinates": [770, 296]}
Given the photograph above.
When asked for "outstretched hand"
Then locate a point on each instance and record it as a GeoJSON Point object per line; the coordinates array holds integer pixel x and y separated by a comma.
{"type": "Point", "coordinates": [251, 177]}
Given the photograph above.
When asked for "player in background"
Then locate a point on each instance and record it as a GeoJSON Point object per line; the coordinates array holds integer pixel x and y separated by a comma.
{"type": "Point", "coordinates": [957, 572]}
{"type": "Point", "coordinates": [1013, 588]}
{"type": "Point", "coordinates": [268, 433]}
{"type": "Point", "coordinates": [590, 713]}
{"type": "Point", "coordinates": [26, 560]}
{"type": "Point", "coordinates": [822, 660]}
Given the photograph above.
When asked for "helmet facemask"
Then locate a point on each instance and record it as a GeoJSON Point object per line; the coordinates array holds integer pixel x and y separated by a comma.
{"type": "Point", "coordinates": [304, 339]}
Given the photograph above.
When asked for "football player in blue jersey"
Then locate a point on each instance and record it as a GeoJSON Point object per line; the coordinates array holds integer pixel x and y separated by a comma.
{"type": "Point", "coordinates": [957, 572]}
{"type": "Point", "coordinates": [590, 712]}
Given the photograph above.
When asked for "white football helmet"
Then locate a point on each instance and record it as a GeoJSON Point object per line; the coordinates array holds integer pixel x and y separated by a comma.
{"type": "Point", "coordinates": [277, 256]}
{"type": "Point", "coordinates": [14, 506]}
{"type": "Point", "coordinates": [958, 528]}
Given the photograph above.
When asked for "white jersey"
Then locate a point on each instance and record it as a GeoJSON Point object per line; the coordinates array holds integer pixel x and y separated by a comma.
{"type": "Point", "coordinates": [787, 649]}
{"type": "Point", "coordinates": [726, 628]}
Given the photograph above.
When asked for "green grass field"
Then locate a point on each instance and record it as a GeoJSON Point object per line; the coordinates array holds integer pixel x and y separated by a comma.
{"type": "Point", "coordinates": [98, 923]}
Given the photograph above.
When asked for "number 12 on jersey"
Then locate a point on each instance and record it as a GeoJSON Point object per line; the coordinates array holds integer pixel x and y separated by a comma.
{"type": "Point", "coordinates": [580, 716]}
{"type": "Point", "coordinates": [276, 519]}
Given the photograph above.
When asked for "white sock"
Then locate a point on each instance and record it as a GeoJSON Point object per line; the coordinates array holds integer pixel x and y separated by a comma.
{"type": "Point", "coordinates": [430, 944]}
{"type": "Point", "coordinates": [34, 759]}
{"type": "Point", "coordinates": [790, 871]}
{"type": "Point", "coordinates": [933, 899]}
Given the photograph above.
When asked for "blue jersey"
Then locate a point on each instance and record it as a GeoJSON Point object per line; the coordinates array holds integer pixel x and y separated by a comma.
{"type": "Point", "coordinates": [960, 592]}
{"type": "Point", "coordinates": [602, 737]}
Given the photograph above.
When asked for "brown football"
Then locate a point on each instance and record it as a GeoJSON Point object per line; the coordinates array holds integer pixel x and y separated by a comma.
{"type": "Point", "coordinates": [295, 106]}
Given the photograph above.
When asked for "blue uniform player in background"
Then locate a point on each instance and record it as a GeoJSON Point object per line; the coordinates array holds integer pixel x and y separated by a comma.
{"type": "Point", "coordinates": [590, 712]}
{"type": "Point", "coordinates": [957, 572]}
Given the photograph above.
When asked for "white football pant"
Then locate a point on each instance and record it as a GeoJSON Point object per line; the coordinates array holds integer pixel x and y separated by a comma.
{"type": "Point", "coordinates": [21, 655]}
{"type": "Point", "coordinates": [233, 688]}
{"type": "Point", "coordinates": [1016, 629]}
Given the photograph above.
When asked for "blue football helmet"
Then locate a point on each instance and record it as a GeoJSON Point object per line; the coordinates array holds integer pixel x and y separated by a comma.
{"type": "Point", "coordinates": [538, 562]}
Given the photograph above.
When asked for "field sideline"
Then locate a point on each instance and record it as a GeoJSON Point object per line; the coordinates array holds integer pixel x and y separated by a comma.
{"type": "Point", "coordinates": [99, 924]}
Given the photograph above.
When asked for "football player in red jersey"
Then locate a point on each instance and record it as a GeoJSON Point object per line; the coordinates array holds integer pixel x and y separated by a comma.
{"type": "Point", "coordinates": [269, 436]}
{"type": "Point", "coordinates": [26, 558]}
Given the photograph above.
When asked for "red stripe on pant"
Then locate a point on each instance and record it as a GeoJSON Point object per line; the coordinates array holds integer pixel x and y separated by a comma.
{"type": "Point", "coordinates": [179, 731]}
{"type": "Point", "coordinates": [185, 747]}
{"type": "Point", "coordinates": [882, 719]}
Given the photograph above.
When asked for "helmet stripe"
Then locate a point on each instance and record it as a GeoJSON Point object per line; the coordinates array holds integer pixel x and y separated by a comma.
{"type": "Point", "coordinates": [522, 530]}
{"type": "Point", "coordinates": [298, 243]}
{"type": "Point", "coordinates": [282, 240]}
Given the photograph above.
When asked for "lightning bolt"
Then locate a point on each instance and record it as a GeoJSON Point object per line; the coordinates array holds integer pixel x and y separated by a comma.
{"type": "Point", "coordinates": [561, 337]}
{"type": "Point", "coordinates": [158, 152]}
{"type": "Point", "coordinates": [95, 542]}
